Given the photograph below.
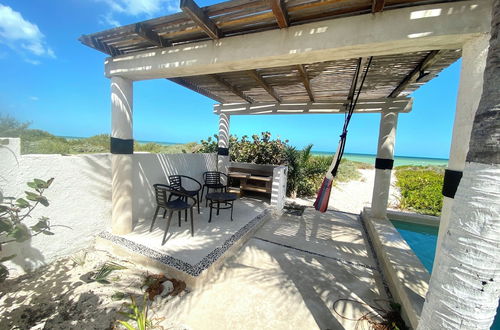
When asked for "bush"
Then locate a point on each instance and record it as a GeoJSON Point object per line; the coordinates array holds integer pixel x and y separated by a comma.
{"type": "Point", "coordinates": [34, 141]}
{"type": "Point", "coordinates": [420, 188]}
{"type": "Point", "coordinates": [259, 150]}
{"type": "Point", "coordinates": [305, 170]}
{"type": "Point", "coordinates": [349, 170]}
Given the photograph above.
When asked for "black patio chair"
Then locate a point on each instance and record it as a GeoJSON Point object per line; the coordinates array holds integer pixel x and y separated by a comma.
{"type": "Point", "coordinates": [187, 185]}
{"type": "Point", "coordinates": [171, 200]}
{"type": "Point", "coordinates": [213, 180]}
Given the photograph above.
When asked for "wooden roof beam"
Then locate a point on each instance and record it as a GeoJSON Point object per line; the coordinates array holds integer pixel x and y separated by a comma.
{"type": "Point", "coordinates": [151, 36]}
{"type": "Point", "coordinates": [191, 9]}
{"type": "Point", "coordinates": [196, 89]}
{"type": "Point", "coordinates": [102, 46]}
{"type": "Point", "coordinates": [378, 6]}
{"type": "Point", "coordinates": [280, 13]}
{"type": "Point", "coordinates": [230, 87]}
{"type": "Point", "coordinates": [305, 81]}
{"type": "Point", "coordinates": [428, 61]}
{"type": "Point", "coordinates": [256, 76]}
{"type": "Point", "coordinates": [398, 104]}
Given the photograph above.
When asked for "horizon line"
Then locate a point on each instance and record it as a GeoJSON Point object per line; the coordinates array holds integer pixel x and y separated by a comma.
{"type": "Point", "coordinates": [312, 150]}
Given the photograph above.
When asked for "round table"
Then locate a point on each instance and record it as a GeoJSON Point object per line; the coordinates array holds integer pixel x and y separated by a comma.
{"type": "Point", "coordinates": [216, 198]}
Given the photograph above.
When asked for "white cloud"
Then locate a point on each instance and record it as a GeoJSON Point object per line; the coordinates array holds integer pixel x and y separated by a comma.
{"type": "Point", "coordinates": [140, 7]}
{"type": "Point", "coordinates": [22, 35]}
{"type": "Point", "coordinates": [34, 98]}
{"type": "Point", "coordinates": [109, 20]}
{"type": "Point", "coordinates": [147, 8]}
{"type": "Point", "coordinates": [30, 61]}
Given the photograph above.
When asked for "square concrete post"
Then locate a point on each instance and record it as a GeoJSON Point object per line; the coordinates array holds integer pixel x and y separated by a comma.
{"type": "Point", "coordinates": [474, 54]}
{"type": "Point", "coordinates": [223, 158]}
{"type": "Point", "coordinates": [384, 163]}
{"type": "Point", "coordinates": [278, 192]}
{"type": "Point", "coordinates": [122, 149]}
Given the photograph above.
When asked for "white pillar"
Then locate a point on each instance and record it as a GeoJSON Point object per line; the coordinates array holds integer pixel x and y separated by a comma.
{"type": "Point", "coordinates": [122, 149]}
{"type": "Point", "coordinates": [383, 164]}
{"type": "Point", "coordinates": [223, 158]}
{"type": "Point", "coordinates": [278, 192]}
{"type": "Point", "coordinates": [474, 54]}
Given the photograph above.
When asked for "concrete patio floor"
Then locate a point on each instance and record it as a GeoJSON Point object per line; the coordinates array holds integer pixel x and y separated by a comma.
{"type": "Point", "coordinates": [207, 236]}
{"type": "Point", "coordinates": [288, 276]}
{"type": "Point", "coordinates": [189, 258]}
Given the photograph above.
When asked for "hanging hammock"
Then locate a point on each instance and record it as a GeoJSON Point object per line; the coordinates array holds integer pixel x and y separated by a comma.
{"type": "Point", "coordinates": [321, 203]}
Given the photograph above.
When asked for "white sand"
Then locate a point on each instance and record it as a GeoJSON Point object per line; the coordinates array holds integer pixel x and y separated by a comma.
{"type": "Point", "coordinates": [354, 195]}
{"type": "Point", "coordinates": [58, 297]}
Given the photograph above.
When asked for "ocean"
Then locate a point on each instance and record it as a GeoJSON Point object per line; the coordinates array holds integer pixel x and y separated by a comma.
{"type": "Point", "coordinates": [398, 160]}
{"type": "Point", "coordinates": [363, 158]}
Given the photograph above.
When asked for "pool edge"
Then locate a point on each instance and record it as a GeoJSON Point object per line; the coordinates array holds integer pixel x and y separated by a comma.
{"type": "Point", "coordinates": [406, 276]}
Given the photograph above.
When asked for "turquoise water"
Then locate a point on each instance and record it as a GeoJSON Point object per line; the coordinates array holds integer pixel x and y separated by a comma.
{"type": "Point", "coordinates": [398, 160]}
{"type": "Point", "coordinates": [422, 240]}
{"type": "Point", "coordinates": [363, 158]}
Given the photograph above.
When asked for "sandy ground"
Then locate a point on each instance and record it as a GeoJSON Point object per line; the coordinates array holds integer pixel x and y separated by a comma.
{"type": "Point", "coordinates": [60, 295]}
{"type": "Point", "coordinates": [354, 195]}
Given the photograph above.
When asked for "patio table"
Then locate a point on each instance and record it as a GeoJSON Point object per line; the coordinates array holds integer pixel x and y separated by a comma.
{"type": "Point", "coordinates": [216, 198]}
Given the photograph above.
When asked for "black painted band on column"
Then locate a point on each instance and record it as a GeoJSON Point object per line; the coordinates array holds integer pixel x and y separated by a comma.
{"type": "Point", "coordinates": [122, 146]}
{"type": "Point", "coordinates": [451, 181]}
{"type": "Point", "coordinates": [384, 164]}
{"type": "Point", "coordinates": [223, 151]}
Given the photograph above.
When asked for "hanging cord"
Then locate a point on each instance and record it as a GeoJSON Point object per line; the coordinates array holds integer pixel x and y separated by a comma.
{"type": "Point", "coordinates": [350, 110]}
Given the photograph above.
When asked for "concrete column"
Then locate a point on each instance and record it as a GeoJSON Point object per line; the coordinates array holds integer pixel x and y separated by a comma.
{"type": "Point", "coordinates": [122, 149]}
{"type": "Point", "coordinates": [383, 164]}
{"type": "Point", "coordinates": [474, 54]}
{"type": "Point", "coordinates": [223, 158]}
{"type": "Point", "coordinates": [278, 192]}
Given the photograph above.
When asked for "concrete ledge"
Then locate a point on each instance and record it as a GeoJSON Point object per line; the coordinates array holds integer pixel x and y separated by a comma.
{"type": "Point", "coordinates": [407, 278]}
{"type": "Point", "coordinates": [419, 219]}
{"type": "Point", "coordinates": [193, 275]}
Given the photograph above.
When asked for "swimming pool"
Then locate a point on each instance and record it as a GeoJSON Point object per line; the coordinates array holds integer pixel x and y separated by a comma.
{"type": "Point", "coordinates": [422, 240]}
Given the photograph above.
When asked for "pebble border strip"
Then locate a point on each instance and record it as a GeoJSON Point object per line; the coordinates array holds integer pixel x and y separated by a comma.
{"type": "Point", "coordinates": [183, 266]}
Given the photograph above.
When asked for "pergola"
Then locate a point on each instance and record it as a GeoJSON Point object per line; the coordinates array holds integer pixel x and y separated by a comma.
{"type": "Point", "coordinates": [256, 57]}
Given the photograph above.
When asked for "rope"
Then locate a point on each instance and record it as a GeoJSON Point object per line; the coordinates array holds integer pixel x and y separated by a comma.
{"type": "Point", "coordinates": [352, 105]}
{"type": "Point", "coordinates": [379, 318]}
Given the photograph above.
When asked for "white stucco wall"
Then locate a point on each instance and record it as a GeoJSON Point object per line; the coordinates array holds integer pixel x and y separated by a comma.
{"type": "Point", "coordinates": [80, 202]}
{"type": "Point", "coordinates": [155, 168]}
{"type": "Point", "coordinates": [80, 196]}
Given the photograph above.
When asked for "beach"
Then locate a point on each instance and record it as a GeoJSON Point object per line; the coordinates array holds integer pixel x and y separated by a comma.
{"type": "Point", "coordinates": [354, 195]}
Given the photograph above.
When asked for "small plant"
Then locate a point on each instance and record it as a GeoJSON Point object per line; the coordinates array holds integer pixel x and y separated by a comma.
{"type": "Point", "coordinates": [137, 314]}
{"type": "Point", "coordinates": [79, 258]}
{"type": "Point", "coordinates": [103, 272]}
{"type": "Point", "coordinates": [13, 211]}
{"type": "Point", "coordinates": [118, 295]}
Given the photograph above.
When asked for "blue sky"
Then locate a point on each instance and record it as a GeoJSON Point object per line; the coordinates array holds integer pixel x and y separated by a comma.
{"type": "Point", "coordinates": [55, 82]}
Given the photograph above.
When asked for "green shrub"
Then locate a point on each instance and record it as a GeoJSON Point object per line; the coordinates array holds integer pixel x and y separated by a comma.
{"type": "Point", "coordinates": [45, 146]}
{"type": "Point", "coordinates": [420, 188]}
{"type": "Point", "coordinates": [305, 170]}
{"type": "Point", "coordinates": [11, 127]}
{"type": "Point", "coordinates": [34, 141]}
{"type": "Point", "coordinates": [259, 150]}
{"type": "Point", "coordinates": [349, 170]}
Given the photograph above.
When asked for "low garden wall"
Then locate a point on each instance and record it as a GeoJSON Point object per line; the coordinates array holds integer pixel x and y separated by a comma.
{"type": "Point", "coordinates": [80, 196]}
